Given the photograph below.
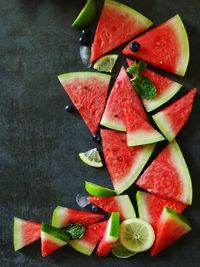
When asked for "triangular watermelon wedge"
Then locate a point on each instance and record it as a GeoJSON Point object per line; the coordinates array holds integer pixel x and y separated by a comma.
{"type": "Point", "coordinates": [121, 204]}
{"type": "Point", "coordinates": [150, 206]}
{"type": "Point", "coordinates": [171, 226]}
{"type": "Point", "coordinates": [122, 92]}
{"type": "Point", "coordinates": [118, 23]}
{"type": "Point", "coordinates": [124, 163]}
{"type": "Point", "coordinates": [63, 216]}
{"type": "Point", "coordinates": [172, 119]}
{"type": "Point", "coordinates": [165, 46]}
{"type": "Point", "coordinates": [165, 87]}
{"type": "Point", "coordinates": [92, 236]}
{"type": "Point", "coordinates": [88, 92]}
{"type": "Point", "coordinates": [25, 233]}
{"type": "Point", "coordinates": [139, 131]}
{"type": "Point", "coordinates": [168, 176]}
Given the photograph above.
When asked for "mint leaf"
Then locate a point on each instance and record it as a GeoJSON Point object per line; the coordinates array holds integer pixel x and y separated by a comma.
{"type": "Point", "coordinates": [141, 66]}
{"type": "Point", "coordinates": [148, 88]}
{"type": "Point", "coordinates": [76, 230]}
{"type": "Point", "coordinates": [132, 69]}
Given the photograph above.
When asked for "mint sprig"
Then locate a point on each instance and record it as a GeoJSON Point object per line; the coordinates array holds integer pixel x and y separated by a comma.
{"type": "Point", "coordinates": [143, 86]}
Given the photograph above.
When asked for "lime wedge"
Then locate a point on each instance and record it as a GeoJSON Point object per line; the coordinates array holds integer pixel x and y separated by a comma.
{"type": "Point", "coordinates": [136, 235]}
{"type": "Point", "coordinates": [121, 252]}
{"type": "Point", "coordinates": [86, 16]}
{"type": "Point", "coordinates": [91, 158]}
{"type": "Point", "coordinates": [106, 63]}
{"type": "Point", "coordinates": [98, 191]}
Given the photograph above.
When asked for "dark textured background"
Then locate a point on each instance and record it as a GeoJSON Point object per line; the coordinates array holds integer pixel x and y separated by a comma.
{"type": "Point", "coordinates": [39, 141]}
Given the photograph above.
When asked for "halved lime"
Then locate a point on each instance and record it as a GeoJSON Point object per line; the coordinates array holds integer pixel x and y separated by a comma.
{"type": "Point", "coordinates": [91, 158]}
{"type": "Point", "coordinates": [121, 252]}
{"type": "Point", "coordinates": [98, 191]}
{"type": "Point", "coordinates": [86, 16]}
{"type": "Point", "coordinates": [106, 63]}
{"type": "Point", "coordinates": [136, 235]}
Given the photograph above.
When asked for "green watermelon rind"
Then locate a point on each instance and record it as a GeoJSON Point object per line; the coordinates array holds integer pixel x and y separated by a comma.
{"type": "Point", "coordinates": [58, 216]}
{"type": "Point", "coordinates": [74, 75]}
{"type": "Point", "coordinates": [126, 207]}
{"type": "Point", "coordinates": [82, 246]}
{"type": "Point", "coordinates": [140, 137]}
{"type": "Point", "coordinates": [135, 172]}
{"type": "Point", "coordinates": [55, 240]}
{"type": "Point", "coordinates": [17, 234]}
{"type": "Point", "coordinates": [142, 207]}
{"type": "Point", "coordinates": [109, 123]}
{"type": "Point", "coordinates": [176, 215]}
{"type": "Point", "coordinates": [156, 102]}
{"type": "Point", "coordinates": [112, 229]}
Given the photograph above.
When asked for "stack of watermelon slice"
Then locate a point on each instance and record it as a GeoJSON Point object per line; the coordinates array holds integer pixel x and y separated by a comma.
{"type": "Point", "coordinates": [130, 139]}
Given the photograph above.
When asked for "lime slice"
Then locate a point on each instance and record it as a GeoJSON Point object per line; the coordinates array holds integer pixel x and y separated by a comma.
{"type": "Point", "coordinates": [136, 235]}
{"type": "Point", "coordinates": [86, 16]}
{"type": "Point", "coordinates": [106, 63]}
{"type": "Point", "coordinates": [98, 191]}
{"type": "Point", "coordinates": [91, 158]}
{"type": "Point", "coordinates": [121, 252]}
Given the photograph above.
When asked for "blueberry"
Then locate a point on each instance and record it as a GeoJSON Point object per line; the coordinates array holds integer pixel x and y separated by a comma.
{"type": "Point", "coordinates": [69, 108]}
{"type": "Point", "coordinates": [97, 138]}
{"type": "Point", "coordinates": [94, 208]}
{"type": "Point", "coordinates": [84, 40]}
{"type": "Point", "coordinates": [134, 46]}
{"type": "Point", "coordinates": [86, 32]}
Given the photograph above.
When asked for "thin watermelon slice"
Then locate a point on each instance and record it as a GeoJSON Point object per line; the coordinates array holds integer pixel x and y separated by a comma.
{"type": "Point", "coordinates": [172, 119]}
{"type": "Point", "coordinates": [118, 23]}
{"type": "Point", "coordinates": [110, 235]}
{"type": "Point", "coordinates": [124, 163]}
{"type": "Point", "coordinates": [88, 242]}
{"type": "Point", "coordinates": [171, 226]}
{"type": "Point", "coordinates": [139, 131]}
{"type": "Point", "coordinates": [120, 204]}
{"type": "Point", "coordinates": [88, 92]}
{"type": "Point", "coordinates": [63, 216]}
{"type": "Point", "coordinates": [150, 206]}
{"type": "Point", "coordinates": [166, 88]}
{"type": "Point", "coordinates": [165, 47]}
{"type": "Point", "coordinates": [168, 176]}
{"type": "Point", "coordinates": [25, 233]}
{"type": "Point", "coordinates": [122, 92]}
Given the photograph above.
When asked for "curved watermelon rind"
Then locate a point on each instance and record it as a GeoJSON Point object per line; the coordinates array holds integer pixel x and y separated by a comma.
{"type": "Point", "coordinates": [110, 124]}
{"type": "Point", "coordinates": [142, 208]}
{"type": "Point", "coordinates": [136, 169]}
{"type": "Point", "coordinates": [58, 216]}
{"type": "Point", "coordinates": [126, 207]}
{"type": "Point", "coordinates": [17, 234]}
{"type": "Point", "coordinates": [74, 75]}
{"type": "Point", "coordinates": [82, 246]}
{"type": "Point", "coordinates": [141, 137]}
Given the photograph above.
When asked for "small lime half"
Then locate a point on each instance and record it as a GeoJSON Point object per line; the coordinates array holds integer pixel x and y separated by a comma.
{"type": "Point", "coordinates": [136, 235]}
{"type": "Point", "coordinates": [91, 158]}
{"type": "Point", "coordinates": [106, 63]}
{"type": "Point", "coordinates": [86, 16]}
{"type": "Point", "coordinates": [98, 191]}
{"type": "Point", "coordinates": [121, 252]}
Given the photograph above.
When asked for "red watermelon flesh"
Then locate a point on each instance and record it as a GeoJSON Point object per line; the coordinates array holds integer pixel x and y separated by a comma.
{"type": "Point", "coordinates": [63, 216]}
{"type": "Point", "coordinates": [165, 46]}
{"type": "Point", "coordinates": [25, 233]}
{"type": "Point", "coordinates": [170, 227]}
{"type": "Point", "coordinates": [110, 33]}
{"type": "Point", "coordinates": [150, 206]}
{"type": "Point", "coordinates": [120, 204]}
{"type": "Point", "coordinates": [122, 92]}
{"type": "Point", "coordinates": [88, 92]}
{"type": "Point", "coordinates": [172, 119]}
{"type": "Point", "coordinates": [88, 242]}
{"type": "Point", "coordinates": [139, 131]}
{"type": "Point", "coordinates": [165, 87]}
{"type": "Point", "coordinates": [124, 163]}
{"type": "Point", "coordinates": [168, 176]}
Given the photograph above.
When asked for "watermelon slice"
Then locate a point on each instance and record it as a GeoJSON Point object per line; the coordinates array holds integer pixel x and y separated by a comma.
{"type": "Point", "coordinates": [110, 236]}
{"type": "Point", "coordinates": [168, 176]}
{"type": "Point", "coordinates": [166, 88]}
{"type": "Point", "coordinates": [63, 216]}
{"type": "Point", "coordinates": [139, 131]}
{"type": "Point", "coordinates": [172, 119]}
{"type": "Point", "coordinates": [122, 92]}
{"type": "Point", "coordinates": [171, 226]}
{"type": "Point", "coordinates": [124, 163]}
{"type": "Point", "coordinates": [165, 46]}
{"type": "Point", "coordinates": [121, 204]}
{"type": "Point", "coordinates": [110, 33]}
{"type": "Point", "coordinates": [88, 242]}
{"type": "Point", "coordinates": [150, 206]}
{"type": "Point", "coordinates": [25, 233]}
{"type": "Point", "coordinates": [88, 92]}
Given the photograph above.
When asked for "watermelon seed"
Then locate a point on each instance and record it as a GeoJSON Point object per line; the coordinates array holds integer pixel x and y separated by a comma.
{"type": "Point", "coordinates": [134, 46]}
{"type": "Point", "coordinates": [158, 43]}
{"type": "Point", "coordinates": [116, 116]}
{"type": "Point", "coordinates": [85, 87]}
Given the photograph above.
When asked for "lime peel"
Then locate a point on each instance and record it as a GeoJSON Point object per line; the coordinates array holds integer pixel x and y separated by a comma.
{"type": "Point", "coordinates": [121, 252]}
{"type": "Point", "coordinates": [106, 63]}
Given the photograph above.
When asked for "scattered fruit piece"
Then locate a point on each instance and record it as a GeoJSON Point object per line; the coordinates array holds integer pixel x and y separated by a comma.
{"type": "Point", "coordinates": [171, 226]}
{"type": "Point", "coordinates": [172, 119]}
{"type": "Point", "coordinates": [91, 158]}
{"type": "Point", "coordinates": [98, 191]}
{"type": "Point", "coordinates": [121, 252]}
{"type": "Point", "coordinates": [106, 63]}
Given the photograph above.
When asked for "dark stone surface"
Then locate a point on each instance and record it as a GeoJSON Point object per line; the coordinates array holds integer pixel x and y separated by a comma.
{"type": "Point", "coordinates": [39, 140]}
